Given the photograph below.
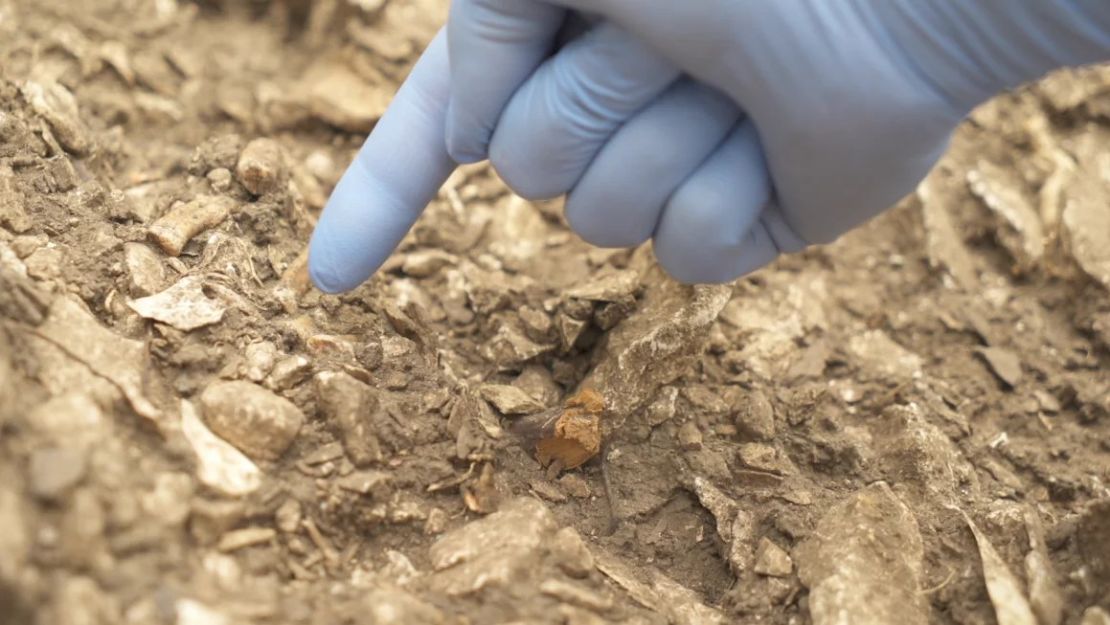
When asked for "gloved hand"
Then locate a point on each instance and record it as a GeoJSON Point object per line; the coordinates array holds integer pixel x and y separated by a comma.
{"type": "Point", "coordinates": [729, 132]}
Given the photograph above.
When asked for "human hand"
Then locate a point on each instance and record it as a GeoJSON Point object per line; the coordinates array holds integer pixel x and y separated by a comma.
{"type": "Point", "coordinates": [826, 114]}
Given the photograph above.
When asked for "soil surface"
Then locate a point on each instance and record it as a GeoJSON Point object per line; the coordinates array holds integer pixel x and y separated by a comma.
{"type": "Point", "coordinates": [911, 424]}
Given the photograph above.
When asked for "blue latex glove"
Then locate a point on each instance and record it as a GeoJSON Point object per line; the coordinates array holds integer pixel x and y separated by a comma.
{"type": "Point", "coordinates": [727, 131]}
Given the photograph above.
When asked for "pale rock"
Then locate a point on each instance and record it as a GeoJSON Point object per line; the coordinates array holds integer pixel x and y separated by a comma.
{"type": "Point", "coordinates": [880, 355]}
{"type": "Point", "coordinates": [183, 306]}
{"type": "Point", "coordinates": [1095, 615]}
{"type": "Point", "coordinates": [56, 104]}
{"type": "Point", "coordinates": [45, 263]}
{"type": "Point", "coordinates": [426, 263]}
{"type": "Point", "coordinates": [352, 407]}
{"type": "Point", "coordinates": [220, 466]}
{"type": "Point", "coordinates": [1003, 363]}
{"type": "Point", "coordinates": [253, 419]}
{"type": "Point", "coordinates": [510, 400]}
{"type": "Point", "coordinates": [261, 166]}
{"type": "Point", "coordinates": [689, 436]}
{"type": "Point", "coordinates": [862, 564]}
{"type": "Point", "coordinates": [184, 221]}
{"type": "Point", "coordinates": [145, 272]}
{"type": "Point", "coordinates": [772, 560]}
{"type": "Point", "coordinates": [1019, 226]}
{"type": "Point", "coordinates": [571, 553]}
{"type": "Point", "coordinates": [54, 471]}
{"type": "Point", "coordinates": [755, 417]}
{"type": "Point", "coordinates": [260, 358]}
{"type": "Point", "coordinates": [289, 372]}
{"type": "Point", "coordinates": [341, 98]}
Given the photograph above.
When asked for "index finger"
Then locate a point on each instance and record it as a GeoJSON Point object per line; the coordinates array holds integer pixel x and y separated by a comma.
{"type": "Point", "coordinates": [395, 175]}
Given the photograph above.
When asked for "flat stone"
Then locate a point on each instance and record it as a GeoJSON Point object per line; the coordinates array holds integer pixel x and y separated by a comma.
{"type": "Point", "coordinates": [510, 400]}
{"type": "Point", "coordinates": [755, 417]}
{"type": "Point", "coordinates": [689, 436]}
{"type": "Point", "coordinates": [145, 273]}
{"type": "Point", "coordinates": [772, 560]}
{"type": "Point", "coordinates": [862, 564]}
{"type": "Point", "coordinates": [253, 419]}
{"type": "Point", "coordinates": [1003, 363]}
{"type": "Point", "coordinates": [54, 471]}
{"type": "Point", "coordinates": [351, 407]}
{"type": "Point", "coordinates": [341, 98]}
{"type": "Point", "coordinates": [183, 306]}
{"type": "Point", "coordinates": [261, 166]}
{"type": "Point", "coordinates": [220, 466]}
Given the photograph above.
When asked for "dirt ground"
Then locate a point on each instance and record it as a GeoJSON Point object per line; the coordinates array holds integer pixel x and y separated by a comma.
{"type": "Point", "coordinates": [911, 425]}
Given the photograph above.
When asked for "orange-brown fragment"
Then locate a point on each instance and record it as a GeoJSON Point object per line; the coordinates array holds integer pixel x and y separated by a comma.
{"type": "Point", "coordinates": [573, 436]}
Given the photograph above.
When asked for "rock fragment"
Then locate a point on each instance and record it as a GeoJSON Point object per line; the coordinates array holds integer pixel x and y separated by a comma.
{"type": "Point", "coordinates": [145, 272]}
{"type": "Point", "coordinates": [253, 419]}
{"type": "Point", "coordinates": [351, 406]}
{"type": "Point", "coordinates": [735, 525]}
{"type": "Point", "coordinates": [942, 240]}
{"type": "Point", "coordinates": [1095, 615]}
{"type": "Point", "coordinates": [245, 537]}
{"type": "Point", "coordinates": [863, 562]}
{"type": "Point", "coordinates": [880, 355]}
{"type": "Point", "coordinates": [55, 104]}
{"type": "Point", "coordinates": [1019, 229]}
{"type": "Point", "coordinates": [374, 483]}
{"type": "Point", "coordinates": [395, 606]}
{"type": "Point", "coordinates": [1010, 605]}
{"type": "Point", "coordinates": [53, 471]}
{"type": "Point", "coordinates": [176, 228]}
{"type": "Point", "coordinates": [571, 553]}
{"type": "Point", "coordinates": [1086, 226]}
{"type": "Point", "coordinates": [183, 306]}
{"type": "Point", "coordinates": [1003, 363]}
{"type": "Point", "coordinates": [425, 263]}
{"type": "Point", "coordinates": [220, 466]}
{"type": "Point", "coordinates": [689, 436]}
{"type": "Point", "coordinates": [772, 560]}
{"type": "Point", "coordinates": [755, 417]}
{"type": "Point", "coordinates": [261, 166]}
{"type": "Point", "coordinates": [681, 605]}
{"type": "Point", "coordinates": [341, 98]}
{"type": "Point", "coordinates": [510, 400]}
{"type": "Point", "coordinates": [655, 345]}
{"type": "Point", "coordinates": [493, 551]}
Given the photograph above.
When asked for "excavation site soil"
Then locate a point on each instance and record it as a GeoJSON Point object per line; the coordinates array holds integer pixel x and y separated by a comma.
{"type": "Point", "coordinates": [506, 425]}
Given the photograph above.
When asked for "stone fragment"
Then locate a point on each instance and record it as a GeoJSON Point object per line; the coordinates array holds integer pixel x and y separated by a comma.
{"type": "Point", "coordinates": [1045, 595]}
{"type": "Point", "coordinates": [426, 263]}
{"type": "Point", "coordinates": [511, 347]}
{"type": "Point", "coordinates": [351, 406]}
{"type": "Point", "coordinates": [735, 526]}
{"type": "Point", "coordinates": [177, 227]}
{"type": "Point", "coordinates": [881, 356]}
{"type": "Point", "coordinates": [183, 306]}
{"type": "Point", "coordinates": [1086, 225]}
{"type": "Point", "coordinates": [569, 329]}
{"type": "Point", "coordinates": [245, 537]}
{"type": "Point", "coordinates": [679, 604]}
{"type": "Point", "coordinates": [1005, 590]}
{"type": "Point", "coordinates": [390, 605]}
{"type": "Point", "coordinates": [772, 560]}
{"type": "Point", "coordinates": [289, 372]}
{"type": "Point", "coordinates": [612, 287]}
{"type": "Point", "coordinates": [662, 409]}
{"type": "Point", "coordinates": [261, 166]}
{"type": "Point", "coordinates": [655, 345]}
{"type": "Point", "coordinates": [571, 553]}
{"type": "Point", "coordinates": [220, 466]}
{"type": "Point", "coordinates": [1003, 363]}
{"type": "Point", "coordinates": [253, 419]}
{"type": "Point", "coordinates": [53, 471]}
{"type": "Point", "coordinates": [862, 564]}
{"type": "Point", "coordinates": [1092, 539]}
{"type": "Point", "coordinates": [763, 457]}
{"type": "Point", "coordinates": [537, 324]}
{"type": "Point", "coordinates": [496, 550]}
{"type": "Point", "coordinates": [943, 241]}
{"type": "Point", "coordinates": [755, 417]}
{"type": "Point", "coordinates": [45, 263]}
{"type": "Point", "coordinates": [260, 358]}
{"type": "Point", "coordinates": [510, 400]}
{"type": "Point", "coordinates": [124, 362]}
{"type": "Point", "coordinates": [191, 612]}
{"type": "Point", "coordinates": [341, 98]}
{"type": "Point", "coordinates": [288, 516]}
{"type": "Point", "coordinates": [13, 213]}
{"type": "Point", "coordinates": [914, 452]}
{"type": "Point", "coordinates": [1019, 226]}
{"type": "Point", "coordinates": [575, 594]}
{"type": "Point", "coordinates": [689, 436]}
{"type": "Point", "coordinates": [55, 104]}
{"type": "Point", "coordinates": [1095, 615]}
{"type": "Point", "coordinates": [145, 273]}
{"type": "Point", "coordinates": [376, 483]}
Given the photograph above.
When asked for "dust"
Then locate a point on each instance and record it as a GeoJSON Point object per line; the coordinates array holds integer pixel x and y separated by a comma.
{"type": "Point", "coordinates": [914, 420]}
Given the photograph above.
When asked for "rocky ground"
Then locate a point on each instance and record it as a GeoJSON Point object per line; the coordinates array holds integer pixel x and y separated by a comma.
{"type": "Point", "coordinates": [911, 425]}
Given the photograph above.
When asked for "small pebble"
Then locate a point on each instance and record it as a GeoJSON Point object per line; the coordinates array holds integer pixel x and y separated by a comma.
{"type": "Point", "coordinates": [510, 400]}
{"type": "Point", "coordinates": [755, 419]}
{"type": "Point", "coordinates": [772, 560]}
{"type": "Point", "coordinates": [288, 516]}
{"type": "Point", "coordinates": [575, 485]}
{"type": "Point", "coordinates": [253, 419]}
{"type": "Point", "coordinates": [689, 436]}
{"type": "Point", "coordinates": [145, 272]}
{"type": "Point", "coordinates": [55, 470]}
{"type": "Point", "coordinates": [261, 166]}
{"type": "Point", "coordinates": [176, 228]}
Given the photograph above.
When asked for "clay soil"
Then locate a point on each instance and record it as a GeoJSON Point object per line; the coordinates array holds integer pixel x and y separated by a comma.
{"type": "Point", "coordinates": [911, 424]}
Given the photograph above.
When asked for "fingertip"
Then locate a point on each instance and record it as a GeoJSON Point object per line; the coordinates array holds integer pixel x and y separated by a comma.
{"type": "Point", "coordinates": [465, 143]}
